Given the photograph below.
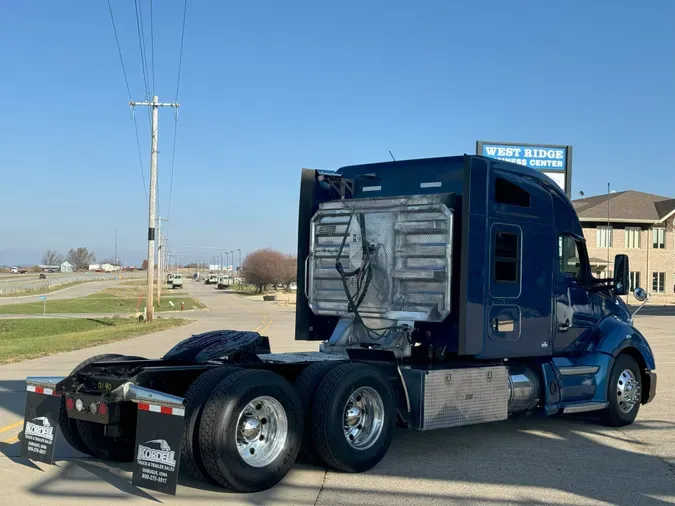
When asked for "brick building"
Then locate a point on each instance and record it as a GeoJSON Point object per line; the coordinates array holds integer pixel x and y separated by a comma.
{"type": "Point", "coordinates": [641, 225]}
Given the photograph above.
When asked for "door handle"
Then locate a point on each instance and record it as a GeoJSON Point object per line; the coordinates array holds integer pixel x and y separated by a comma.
{"type": "Point", "coordinates": [502, 325]}
{"type": "Point", "coordinates": [564, 327]}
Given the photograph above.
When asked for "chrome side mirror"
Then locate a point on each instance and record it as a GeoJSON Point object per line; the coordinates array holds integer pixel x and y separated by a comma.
{"type": "Point", "coordinates": [640, 294]}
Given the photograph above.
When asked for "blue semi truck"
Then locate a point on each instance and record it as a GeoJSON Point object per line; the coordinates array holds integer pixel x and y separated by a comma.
{"type": "Point", "coordinates": [442, 292]}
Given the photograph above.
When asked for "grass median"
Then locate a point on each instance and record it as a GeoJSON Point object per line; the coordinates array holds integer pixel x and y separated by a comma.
{"type": "Point", "coordinates": [23, 339]}
{"type": "Point", "coordinates": [113, 300]}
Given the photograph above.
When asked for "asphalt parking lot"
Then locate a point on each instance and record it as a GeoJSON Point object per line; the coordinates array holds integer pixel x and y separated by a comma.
{"type": "Point", "coordinates": [571, 460]}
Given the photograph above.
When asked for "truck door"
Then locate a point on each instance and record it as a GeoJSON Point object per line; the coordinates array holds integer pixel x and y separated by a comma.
{"type": "Point", "coordinates": [521, 239]}
{"type": "Point", "coordinates": [574, 313]}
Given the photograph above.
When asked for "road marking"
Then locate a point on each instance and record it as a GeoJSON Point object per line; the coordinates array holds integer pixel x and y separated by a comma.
{"type": "Point", "coordinates": [266, 327]}
{"type": "Point", "coordinates": [11, 426]}
{"type": "Point", "coordinates": [260, 327]}
{"type": "Point", "coordinates": [13, 439]}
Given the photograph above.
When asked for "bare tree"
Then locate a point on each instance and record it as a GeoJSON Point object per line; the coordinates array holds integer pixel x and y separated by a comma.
{"type": "Point", "coordinates": [144, 265]}
{"type": "Point", "coordinates": [288, 271]}
{"type": "Point", "coordinates": [80, 258]}
{"type": "Point", "coordinates": [263, 267]}
{"type": "Point", "coordinates": [52, 257]}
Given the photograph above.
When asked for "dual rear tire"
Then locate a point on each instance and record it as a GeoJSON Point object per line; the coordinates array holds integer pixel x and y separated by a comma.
{"type": "Point", "coordinates": [245, 428]}
{"type": "Point", "coordinates": [350, 412]}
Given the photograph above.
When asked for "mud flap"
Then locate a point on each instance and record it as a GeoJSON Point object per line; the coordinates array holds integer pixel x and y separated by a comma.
{"type": "Point", "coordinates": [41, 420]}
{"type": "Point", "coordinates": [159, 430]}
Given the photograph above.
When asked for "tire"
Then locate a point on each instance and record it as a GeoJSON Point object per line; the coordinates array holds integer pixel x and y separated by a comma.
{"type": "Point", "coordinates": [67, 425]}
{"type": "Point", "coordinates": [113, 449]}
{"type": "Point", "coordinates": [620, 413]}
{"type": "Point", "coordinates": [344, 383]}
{"type": "Point", "coordinates": [220, 425]}
{"type": "Point", "coordinates": [306, 385]}
{"type": "Point", "coordinates": [196, 395]}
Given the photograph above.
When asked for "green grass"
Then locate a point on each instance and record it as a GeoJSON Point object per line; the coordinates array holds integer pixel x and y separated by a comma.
{"type": "Point", "coordinates": [135, 282]}
{"type": "Point", "coordinates": [23, 339]}
{"type": "Point", "coordinates": [40, 291]}
{"type": "Point", "coordinates": [102, 303]}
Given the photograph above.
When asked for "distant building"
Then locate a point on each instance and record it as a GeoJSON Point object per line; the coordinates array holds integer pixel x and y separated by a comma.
{"type": "Point", "coordinates": [48, 268]}
{"type": "Point", "coordinates": [67, 267]}
{"type": "Point", "coordinates": [640, 225]}
{"type": "Point", "coordinates": [104, 267]}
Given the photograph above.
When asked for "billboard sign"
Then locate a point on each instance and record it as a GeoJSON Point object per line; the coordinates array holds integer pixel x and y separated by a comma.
{"type": "Point", "coordinates": [553, 160]}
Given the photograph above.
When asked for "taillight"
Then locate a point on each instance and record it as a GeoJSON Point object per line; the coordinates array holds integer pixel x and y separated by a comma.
{"type": "Point", "coordinates": [102, 409]}
{"type": "Point", "coordinates": [70, 404]}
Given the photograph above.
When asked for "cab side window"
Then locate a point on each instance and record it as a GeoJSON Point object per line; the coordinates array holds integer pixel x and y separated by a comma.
{"type": "Point", "coordinates": [570, 260]}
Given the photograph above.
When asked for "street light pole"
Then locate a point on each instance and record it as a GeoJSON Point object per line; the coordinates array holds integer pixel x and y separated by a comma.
{"type": "Point", "coordinates": [239, 267]}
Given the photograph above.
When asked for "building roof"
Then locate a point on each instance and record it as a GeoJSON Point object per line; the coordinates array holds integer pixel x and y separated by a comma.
{"type": "Point", "coordinates": [626, 206]}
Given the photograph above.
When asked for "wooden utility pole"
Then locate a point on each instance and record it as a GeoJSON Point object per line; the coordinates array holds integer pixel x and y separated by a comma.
{"type": "Point", "coordinates": [155, 104]}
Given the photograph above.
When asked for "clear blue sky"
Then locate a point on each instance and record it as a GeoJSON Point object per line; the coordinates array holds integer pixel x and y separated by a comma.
{"type": "Point", "coordinates": [270, 87]}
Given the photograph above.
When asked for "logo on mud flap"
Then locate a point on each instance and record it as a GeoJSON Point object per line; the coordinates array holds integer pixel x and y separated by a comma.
{"type": "Point", "coordinates": [162, 455]}
{"type": "Point", "coordinates": [40, 427]}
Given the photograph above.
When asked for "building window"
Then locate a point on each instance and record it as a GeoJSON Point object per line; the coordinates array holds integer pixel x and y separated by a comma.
{"type": "Point", "coordinates": [634, 280]}
{"type": "Point", "coordinates": [658, 282]}
{"type": "Point", "coordinates": [632, 237]}
{"type": "Point", "coordinates": [506, 257]}
{"type": "Point", "coordinates": [659, 238]}
{"type": "Point", "coordinates": [608, 274]}
{"type": "Point", "coordinates": [603, 237]}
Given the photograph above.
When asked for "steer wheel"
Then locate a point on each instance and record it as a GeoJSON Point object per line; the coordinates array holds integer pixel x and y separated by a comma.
{"type": "Point", "coordinates": [624, 393]}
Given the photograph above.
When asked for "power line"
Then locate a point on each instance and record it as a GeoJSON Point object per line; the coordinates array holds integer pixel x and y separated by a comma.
{"type": "Point", "coordinates": [126, 82]}
{"type": "Point", "coordinates": [180, 57]}
{"type": "Point", "coordinates": [152, 48]}
{"type": "Point", "coordinates": [175, 123]}
{"type": "Point", "coordinates": [119, 50]}
{"type": "Point", "coordinates": [141, 45]}
{"type": "Point", "coordinates": [173, 163]}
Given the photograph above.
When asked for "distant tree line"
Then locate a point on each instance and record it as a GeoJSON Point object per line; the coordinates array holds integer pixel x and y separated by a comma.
{"type": "Point", "coordinates": [268, 266]}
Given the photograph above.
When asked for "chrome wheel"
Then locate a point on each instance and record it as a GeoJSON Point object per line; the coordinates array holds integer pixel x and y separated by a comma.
{"type": "Point", "coordinates": [627, 391]}
{"type": "Point", "coordinates": [363, 418]}
{"type": "Point", "coordinates": [262, 428]}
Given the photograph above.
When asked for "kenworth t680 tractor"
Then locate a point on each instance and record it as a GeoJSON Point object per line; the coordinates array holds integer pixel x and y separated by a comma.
{"type": "Point", "coordinates": [443, 292]}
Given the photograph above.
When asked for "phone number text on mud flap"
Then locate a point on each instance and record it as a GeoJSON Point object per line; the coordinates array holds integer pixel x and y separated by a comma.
{"type": "Point", "coordinates": [37, 448]}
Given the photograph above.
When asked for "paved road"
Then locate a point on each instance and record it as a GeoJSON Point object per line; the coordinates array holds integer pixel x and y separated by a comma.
{"type": "Point", "coordinates": [14, 283]}
{"type": "Point", "coordinates": [73, 292]}
{"type": "Point", "coordinates": [528, 461]}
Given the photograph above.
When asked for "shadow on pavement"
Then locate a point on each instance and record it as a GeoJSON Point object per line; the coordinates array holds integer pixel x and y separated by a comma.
{"type": "Point", "coordinates": [13, 396]}
{"type": "Point", "coordinates": [518, 461]}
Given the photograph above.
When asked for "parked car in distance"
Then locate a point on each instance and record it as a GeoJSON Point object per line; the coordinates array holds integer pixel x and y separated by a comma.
{"type": "Point", "coordinates": [14, 270]}
{"type": "Point", "coordinates": [177, 281]}
{"type": "Point", "coordinates": [224, 282]}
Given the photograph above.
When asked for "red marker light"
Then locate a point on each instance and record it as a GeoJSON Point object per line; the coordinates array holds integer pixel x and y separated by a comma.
{"type": "Point", "coordinates": [70, 404]}
{"type": "Point", "coordinates": [102, 409]}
